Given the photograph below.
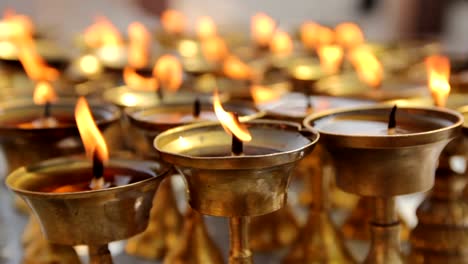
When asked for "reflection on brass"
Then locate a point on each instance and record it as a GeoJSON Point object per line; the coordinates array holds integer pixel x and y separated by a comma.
{"type": "Point", "coordinates": [342, 200]}
{"type": "Point", "coordinates": [194, 245]}
{"type": "Point", "coordinates": [37, 250]}
{"type": "Point", "coordinates": [442, 218]}
{"type": "Point", "coordinates": [163, 228]}
{"type": "Point", "coordinates": [319, 241]}
{"type": "Point", "coordinates": [273, 231]}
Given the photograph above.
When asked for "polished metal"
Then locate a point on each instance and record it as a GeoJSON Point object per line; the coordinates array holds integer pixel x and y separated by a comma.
{"type": "Point", "coordinates": [93, 218]}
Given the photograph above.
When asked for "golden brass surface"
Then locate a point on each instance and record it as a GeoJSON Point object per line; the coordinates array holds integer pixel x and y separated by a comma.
{"type": "Point", "coordinates": [117, 213]}
{"type": "Point", "coordinates": [239, 252]}
{"type": "Point", "coordinates": [274, 230]}
{"type": "Point", "coordinates": [99, 254]}
{"type": "Point", "coordinates": [194, 244]}
{"type": "Point", "coordinates": [163, 229]}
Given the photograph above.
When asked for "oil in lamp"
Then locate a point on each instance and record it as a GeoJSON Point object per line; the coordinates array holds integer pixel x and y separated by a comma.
{"type": "Point", "coordinates": [146, 124]}
{"type": "Point", "coordinates": [227, 178]}
{"type": "Point", "coordinates": [313, 171]}
{"type": "Point", "coordinates": [100, 200]}
{"type": "Point", "coordinates": [382, 152]}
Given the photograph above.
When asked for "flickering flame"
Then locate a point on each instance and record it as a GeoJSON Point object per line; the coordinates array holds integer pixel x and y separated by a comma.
{"type": "Point", "coordinates": [102, 33]}
{"type": "Point", "coordinates": [90, 135]}
{"type": "Point", "coordinates": [35, 67]}
{"type": "Point", "coordinates": [262, 94]}
{"type": "Point", "coordinates": [134, 80]}
{"type": "Point", "coordinates": [206, 28]}
{"type": "Point", "coordinates": [262, 28]}
{"type": "Point", "coordinates": [44, 93]}
{"type": "Point", "coordinates": [236, 69]}
{"type": "Point", "coordinates": [173, 21]}
{"type": "Point", "coordinates": [89, 64]}
{"type": "Point", "coordinates": [368, 67]}
{"type": "Point", "coordinates": [438, 73]}
{"type": "Point", "coordinates": [331, 57]}
{"type": "Point", "coordinates": [15, 25]}
{"type": "Point", "coordinates": [228, 121]}
{"type": "Point", "coordinates": [138, 49]}
{"type": "Point", "coordinates": [314, 35]}
{"type": "Point", "coordinates": [281, 43]}
{"type": "Point", "coordinates": [168, 72]}
{"type": "Point", "coordinates": [349, 35]}
{"type": "Point", "coordinates": [214, 49]}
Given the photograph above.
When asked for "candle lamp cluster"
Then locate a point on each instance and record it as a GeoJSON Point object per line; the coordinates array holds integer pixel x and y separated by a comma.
{"type": "Point", "coordinates": [95, 144]}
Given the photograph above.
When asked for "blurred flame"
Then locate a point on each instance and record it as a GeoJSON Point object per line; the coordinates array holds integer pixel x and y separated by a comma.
{"type": "Point", "coordinates": [44, 93]}
{"type": "Point", "coordinates": [206, 28]}
{"type": "Point", "coordinates": [314, 35]}
{"type": "Point", "coordinates": [134, 80]}
{"type": "Point", "coordinates": [140, 41]}
{"type": "Point", "coordinates": [349, 35]}
{"type": "Point", "coordinates": [173, 21]}
{"type": "Point", "coordinates": [214, 49]}
{"type": "Point", "coordinates": [236, 69]}
{"type": "Point", "coordinates": [89, 64]}
{"type": "Point", "coordinates": [228, 121]}
{"type": "Point", "coordinates": [102, 33]}
{"type": "Point", "coordinates": [168, 72]}
{"type": "Point", "coordinates": [90, 135]}
{"type": "Point", "coordinates": [331, 57]}
{"type": "Point", "coordinates": [36, 68]}
{"type": "Point", "coordinates": [262, 94]}
{"type": "Point", "coordinates": [438, 73]}
{"type": "Point", "coordinates": [281, 43]}
{"type": "Point", "coordinates": [262, 28]}
{"type": "Point", "coordinates": [15, 25]}
{"type": "Point", "coordinates": [368, 67]}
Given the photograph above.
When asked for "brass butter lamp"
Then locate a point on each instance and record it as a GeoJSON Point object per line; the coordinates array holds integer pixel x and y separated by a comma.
{"type": "Point", "coordinates": [361, 142]}
{"type": "Point", "coordinates": [221, 184]}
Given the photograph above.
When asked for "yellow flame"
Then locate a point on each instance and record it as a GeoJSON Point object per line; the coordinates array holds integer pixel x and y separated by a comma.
{"type": "Point", "coordinates": [214, 49]}
{"type": "Point", "coordinates": [138, 49]}
{"type": "Point", "coordinates": [134, 80]}
{"type": "Point", "coordinates": [168, 72]}
{"type": "Point", "coordinates": [44, 93]}
{"type": "Point", "coordinates": [281, 43]}
{"type": "Point", "coordinates": [331, 57]}
{"type": "Point", "coordinates": [15, 25]}
{"type": "Point", "coordinates": [228, 121]}
{"type": "Point", "coordinates": [314, 35]}
{"type": "Point", "coordinates": [368, 67]}
{"type": "Point", "coordinates": [262, 94]}
{"type": "Point", "coordinates": [262, 28]}
{"type": "Point", "coordinates": [90, 135]}
{"type": "Point", "coordinates": [102, 33]}
{"type": "Point", "coordinates": [349, 35]}
{"type": "Point", "coordinates": [236, 69]}
{"type": "Point", "coordinates": [36, 68]}
{"type": "Point", "coordinates": [438, 73]}
{"type": "Point", "coordinates": [173, 21]}
{"type": "Point", "coordinates": [206, 28]}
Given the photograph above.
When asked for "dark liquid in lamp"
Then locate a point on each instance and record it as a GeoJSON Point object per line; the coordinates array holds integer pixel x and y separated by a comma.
{"type": "Point", "coordinates": [80, 184]}
{"type": "Point", "coordinates": [225, 151]}
{"type": "Point", "coordinates": [39, 122]}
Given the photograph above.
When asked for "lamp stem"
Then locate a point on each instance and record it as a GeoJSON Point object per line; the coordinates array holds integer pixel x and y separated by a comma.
{"type": "Point", "coordinates": [99, 254]}
{"type": "Point", "coordinates": [239, 235]}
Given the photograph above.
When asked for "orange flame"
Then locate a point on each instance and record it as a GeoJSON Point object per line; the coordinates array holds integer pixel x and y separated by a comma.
{"type": "Point", "coordinates": [36, 68]}
{"type": "Point", "coordinates": [314, 35]}
{"type": "Point", "coordinates": [173, 21]}
{"type": "Point", "coordinates": [236, 69]}
{"type": "Point", "coordinates": [281, 43]}
{"type": "Point", "coordinates": [140, 41]}
{"type": "Point", "coordinates": [331, 57]}
{"type": "Point", "coordinates": [168, 72]}
{"type": "Point", "coordinates": [90, 135]}
{"type": "Point", "coordinates": [438, 73]}
{"type": "Point", "coordinates": [214, 49]}
{"type": "Point", "coordinates": [349, 35]}
{"type": "Point", "coordinates": [206, 28]}
{"type": "Point", "coordinates": [102, 33]}
{"type": "Point", "coordinates": [228, 121]}
{"type": "Point", "coordinates": [262, 28]}
{"type": "Point", "coordinates": [368, 67]}
{"type": "Point", "coordinates": [15, 25]}
{"type": "Point", "coordinates": [262, 94]}
{"type": "Point", "coordinates": [134, 80]}
{"type": "Point", "coordinates": [44, 93]}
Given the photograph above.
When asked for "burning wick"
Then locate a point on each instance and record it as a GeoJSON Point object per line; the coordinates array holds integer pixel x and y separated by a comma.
{"type": "Point", "coordinates": [309, 104]}
{"type": "Point", "coordinates": [196, 108]}
{"type": "Point", "coordinates": [160, 93]}
{"type": "Point", "coordinates": [392, 121]}
{"type": "Point", "coordinates": [98, 172]}
{"type": "Point", "coordinates": [44, 94]}
{"type": "Point", "coordinates": [237, 146]}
